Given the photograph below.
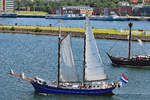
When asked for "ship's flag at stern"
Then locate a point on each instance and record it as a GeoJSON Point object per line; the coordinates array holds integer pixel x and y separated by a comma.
{"type": "Point", "coordinates": [124, 79]}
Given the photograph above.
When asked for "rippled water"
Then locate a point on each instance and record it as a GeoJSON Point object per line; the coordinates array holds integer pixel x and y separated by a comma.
{"type": "Point", "coordinates": [37, 56]}
{"type": "Point", "coordinates": [144, 25]}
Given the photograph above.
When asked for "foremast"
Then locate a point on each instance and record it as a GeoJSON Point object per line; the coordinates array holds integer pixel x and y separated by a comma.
{"type": "Point", "coordinates": [66, 66]}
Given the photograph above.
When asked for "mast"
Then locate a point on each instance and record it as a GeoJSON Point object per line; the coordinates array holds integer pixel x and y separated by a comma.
{"type": "Point", "coordinates": [84, 62]}
{"type": "Point", "coordinates": [129, 43]}
{"type": "Point", "coordinates": [59, 41]}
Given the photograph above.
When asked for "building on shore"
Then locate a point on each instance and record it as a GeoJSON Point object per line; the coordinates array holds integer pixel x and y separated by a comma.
{"type": "Point", "coordinates": [6, 5]}
{"type": "Point", "coordinates": [143, 1]}
{"type": "Point", "coordinates": [146, 1]}
{"type": "Point", "coordinates": [133, 9]}
{"type": "Point", "coordinates": [134, 1]}
{"type": "Point", "coordinates": [141, 11]}
{"type": "Point", "coordinates": [73, 10]}
{"type": "Point", "coordinates": [123, 9]}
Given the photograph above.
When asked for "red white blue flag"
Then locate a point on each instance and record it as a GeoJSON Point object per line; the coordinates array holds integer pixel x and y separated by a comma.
{"type": "Point", "coordinates": [124, 79]}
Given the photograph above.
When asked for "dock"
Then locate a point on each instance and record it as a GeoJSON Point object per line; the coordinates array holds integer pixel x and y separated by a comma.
{"type": "Point", "coordinates": [111, 34]}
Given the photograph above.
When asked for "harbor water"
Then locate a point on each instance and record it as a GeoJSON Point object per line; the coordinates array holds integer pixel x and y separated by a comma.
{"type": "Point", "coordinates": [36, 55]}
{"type": "Point", "coordinates": [141, 25]}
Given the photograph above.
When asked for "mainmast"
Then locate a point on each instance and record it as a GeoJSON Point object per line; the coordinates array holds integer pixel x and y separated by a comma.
{"type": "Point", "coordinates": [84, 62]}
{"type": "Point", "coordinates": [129, 48]}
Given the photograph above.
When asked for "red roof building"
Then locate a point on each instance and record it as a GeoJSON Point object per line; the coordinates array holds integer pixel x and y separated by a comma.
{"type": "Point", "coordinates": [134, 1]}
{"type": "Point", "coordinates": [77, 10]}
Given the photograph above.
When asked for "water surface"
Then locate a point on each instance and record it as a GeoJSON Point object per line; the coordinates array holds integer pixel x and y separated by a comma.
{"type": "Point", "coordinates": [36, 55]}
{"type": "Point", "coordinates": [144, 25]}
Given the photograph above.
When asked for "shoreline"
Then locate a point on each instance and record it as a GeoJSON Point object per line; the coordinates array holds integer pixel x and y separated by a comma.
{"type": "Point", "coordinates": [37, 31]}
{"type": "Point", "coordinates": [100, 18]}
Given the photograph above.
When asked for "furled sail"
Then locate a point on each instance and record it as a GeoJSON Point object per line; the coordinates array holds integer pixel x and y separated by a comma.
{"type": "Point", "coordinates": [67, 66]}
{"type": "Point", "coordinates": [94, 68]}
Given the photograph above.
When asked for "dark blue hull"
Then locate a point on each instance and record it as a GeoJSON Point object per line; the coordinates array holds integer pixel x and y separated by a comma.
{"type": "Point", "coordinates": [55, 90]}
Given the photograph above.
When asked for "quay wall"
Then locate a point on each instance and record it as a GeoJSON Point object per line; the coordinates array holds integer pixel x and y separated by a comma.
{"type": "Point", "coordinates": [123, 18]}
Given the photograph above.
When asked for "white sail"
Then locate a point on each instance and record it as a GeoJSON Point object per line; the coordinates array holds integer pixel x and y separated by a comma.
{"type": "Point", "coordinates": [94, 68]}
{"type": "Point", "coordinates": [67, 66]}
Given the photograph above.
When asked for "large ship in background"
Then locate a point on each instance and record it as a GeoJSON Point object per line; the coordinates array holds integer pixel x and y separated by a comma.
{"type": "Point", "coordinates": [66, 17]}
{"type": "Point", "coordinates": [112, 17]}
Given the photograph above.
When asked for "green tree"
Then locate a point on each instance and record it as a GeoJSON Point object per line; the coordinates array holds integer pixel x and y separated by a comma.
{"type": "Point", "coordinates": [48, 5]}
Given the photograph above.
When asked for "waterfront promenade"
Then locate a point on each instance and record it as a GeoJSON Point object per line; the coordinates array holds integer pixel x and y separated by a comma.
{"type": "Point", "coordinates": [112, 34]}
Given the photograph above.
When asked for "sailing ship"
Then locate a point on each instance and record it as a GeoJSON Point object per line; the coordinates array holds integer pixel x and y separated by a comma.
{"type": "Point", "coordinates": [136, 61]}
{"type": "Point", "coordinates": [94, 76]}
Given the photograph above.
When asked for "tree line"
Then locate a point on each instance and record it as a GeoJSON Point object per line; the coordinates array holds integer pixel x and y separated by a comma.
{"type": "Point", "coordinates": [48, 5]}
